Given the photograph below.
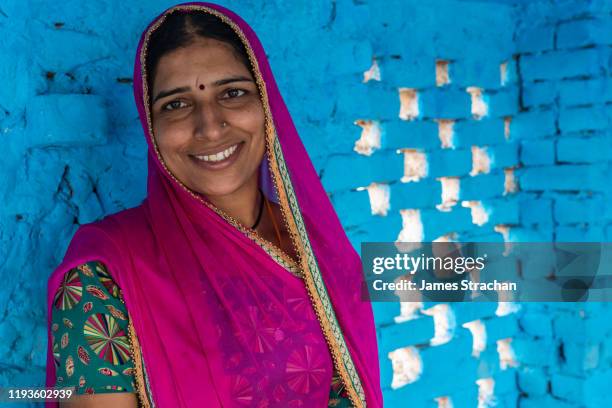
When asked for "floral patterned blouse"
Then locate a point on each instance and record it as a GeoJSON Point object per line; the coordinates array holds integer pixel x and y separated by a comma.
{"type": "Point", "coordinates": [90, 342]}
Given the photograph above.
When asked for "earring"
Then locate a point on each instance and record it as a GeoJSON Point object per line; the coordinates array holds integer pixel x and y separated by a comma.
{"type": "Point", "coordinates": [223, 124]}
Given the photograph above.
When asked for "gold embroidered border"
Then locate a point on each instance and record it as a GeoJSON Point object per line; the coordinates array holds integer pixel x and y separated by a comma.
{"type": "Point", "coordinates": [143, 394]}
{"type": "Point", "coordinates": [291, 216]}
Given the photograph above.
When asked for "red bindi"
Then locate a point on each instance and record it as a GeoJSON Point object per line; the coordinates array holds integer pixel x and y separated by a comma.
{"type": "Point", "coordinates": [201, 86]}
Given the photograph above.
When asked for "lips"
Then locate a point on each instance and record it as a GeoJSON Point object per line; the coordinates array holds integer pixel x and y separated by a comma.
{"type": "Point", "coordinates": [220, 159]}
{"type": "Point", "coordinates": [224, 154]}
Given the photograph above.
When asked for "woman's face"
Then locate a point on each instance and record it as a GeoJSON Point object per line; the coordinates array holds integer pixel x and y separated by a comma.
{"type": "Point", "coordinates": [208, 119]}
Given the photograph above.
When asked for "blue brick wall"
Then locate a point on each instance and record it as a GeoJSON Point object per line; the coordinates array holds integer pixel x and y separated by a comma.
{"type": "Point", "coordinates": [541, 123]}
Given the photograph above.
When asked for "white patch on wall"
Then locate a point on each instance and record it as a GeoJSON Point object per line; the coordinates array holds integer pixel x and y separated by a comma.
{"type": "Point", "coordinates": [380, 196]}
{"type": "Point", "coordinates": [442, 73]}
{"type": "Point", "coordinates": [480, 215]}
{"type": "Point", "coordinates": [444, 323]}
{"type": "Point", "coordinates": [412, 226]}
{"type": "Point", "coordinates": [446, 133]}
{"type": "Point", "coordinates": [503, 73]}
{"type": "Point", "coordinates": [510, 184]}
{"type": "Point", "coordinates": [481, 161]}
{"type": "Point", "coordinates": [479, 336]}
{"type": "Point", "coordinates": [505, 307]}
{"type": "Point", "coordinates": [416, 166]}
{"type": "Point", "coordinates": [407, 366]}
{"type": "Point", "coordinates": [507, 122]}
{"type": "Point", "coordinates": [450, 193]}
{"type": "Point", "coordinates": [486, 393]}
{"type": "Point", "coordinates": [444, 402]}
{"type": "Point", "coordinates": [450, 237]}
{"type": "Point", "coordinates": [409, 103]}
{"type": "Point", "coordinates": [369, 141]}
{"type": "Point", "coordinates": [372, 74]}
{"type": "Point", "coordinates": [507, 357]}
{"type": "Point", "coordinates": [409, 311]}
{"type": "Point", "coordinates": [480, 107]}
{"type": "Point", "coordinates": [505, 231]}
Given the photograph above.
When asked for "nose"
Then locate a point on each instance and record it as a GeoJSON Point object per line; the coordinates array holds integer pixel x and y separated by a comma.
{"type": "Point", "coordinates": [208, 120]}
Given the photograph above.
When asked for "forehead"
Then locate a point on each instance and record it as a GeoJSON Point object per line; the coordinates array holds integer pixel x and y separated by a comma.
{"type": "Point", "coordinates": [206, 59]}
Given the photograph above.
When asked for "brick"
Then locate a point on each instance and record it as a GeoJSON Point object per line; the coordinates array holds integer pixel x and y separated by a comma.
{"type": "Point", "coordinates": [536, 211]}
{"type": "Point", "coordinates": [533, 381]}
{"type": "Point", "coordinates": [545, 401]}
{"type": "Point", "coordinates": [380, 167]}
{"type": "Point", "coordinates": [384, 102]}
{"type": "Point", "coordinates": [504, 102]}
{"type": "Point", "coordinates": [398, 134]}
{"type": "Point", "coordinates": [536, 324]}
{"type": "Point", "coordinates": [479, 132]}
{"type": "Point", "coordinates": [535, 352]}
{"type": "Point", "coordinates": [438, 223]}
{"type": "Point", "coordinates": [425, 193]}
{"type": "Point", "coordinates": [562, 64]}
{"type": "Point", "coordinates": [504, 155]}
{"type": "Point", "coordinates": [503, 211]}
{"type": "Point", "coordinates": [583, 118]}
{"type": "Point", "coordinates": [532, 125]}
{"type": "Point", "coordinates": [58, 120]}
{"type": "Point", "coordinates": [540, 233]}
{"type": "Point", "coordinates": [481, 186]}
{"type": "Point", "coordinates": [408, 333]}
{"type": "Point", "coordinates": [568, 387]}
{"type": "Point", "coordinates": [409, 73]}
{"type": "Point", "coordinates": [385, 312]}
{"type": "Point", "coordinates": [535, 39]}
{"type": "Point", "coordinates": [483, 73]}
{"type": "Point", "coordinates": [574, 328]}
{"type": "Point", "coordinates": [578, 209]}
{"type": "Point", "coordinates": [564, 178]}
{"type": "Point", "coordinates": [447, 163]}
{"type": "Point", "coordinates": [379, 229]}
{"type": "Point", "coordinates": [537, 152]}
{"type": "Point", "coordinates": [581, 33]}
{"type": "Point", "coordinates": [585, 91]}
{"type": "Point", "coordinates": [587, 233]}
{"type": "Point", "coordinates": [584, 149]}
{"type": "Point", "coordinates": [500, 328]}
{"type": "Point", "coordinates": [467, 311]}
{"type": "Point", "coordinates": [352, 207]}
{"type": "Point", "coordinates": [445, 103]}
{"type": "Point", "coordinates": [539, 93]}
{"type": "Point", "coordinates": [580, 357]}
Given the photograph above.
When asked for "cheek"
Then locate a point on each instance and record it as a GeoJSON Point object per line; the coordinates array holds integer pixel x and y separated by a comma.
{"type": "Point", "coordinates": [170, 138]}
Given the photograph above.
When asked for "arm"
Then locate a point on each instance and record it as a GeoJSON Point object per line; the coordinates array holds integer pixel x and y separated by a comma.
{"type": "Point", "coordinates": [90, 340]}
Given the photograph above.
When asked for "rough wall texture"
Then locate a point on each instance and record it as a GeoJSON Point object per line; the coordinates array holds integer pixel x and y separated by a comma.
{"type": "Point", "coordinates": [447, 119]}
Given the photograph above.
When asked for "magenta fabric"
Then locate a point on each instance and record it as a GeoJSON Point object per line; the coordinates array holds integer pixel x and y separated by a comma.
{"type": "Point", "coordinates": [219, 322]}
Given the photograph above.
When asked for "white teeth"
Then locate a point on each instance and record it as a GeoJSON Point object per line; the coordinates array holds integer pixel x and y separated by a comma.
{"type": "Point", "coordinates": [219, 156]}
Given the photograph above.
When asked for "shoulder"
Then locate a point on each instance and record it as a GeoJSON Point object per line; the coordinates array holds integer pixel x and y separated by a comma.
{"type": "Point", "coordinates": [91, 346]}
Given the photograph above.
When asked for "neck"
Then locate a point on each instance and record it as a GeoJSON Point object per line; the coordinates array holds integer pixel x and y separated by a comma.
{"type": "Point", "coordinates": [241, 204]}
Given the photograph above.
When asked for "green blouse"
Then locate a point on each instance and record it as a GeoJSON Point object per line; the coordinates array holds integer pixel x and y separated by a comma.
{"type": "Point", "coordinates": [91, 348]}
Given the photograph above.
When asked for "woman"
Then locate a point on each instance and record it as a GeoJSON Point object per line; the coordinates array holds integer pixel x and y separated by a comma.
{"type": "Point", "coordinates": [233, 283]}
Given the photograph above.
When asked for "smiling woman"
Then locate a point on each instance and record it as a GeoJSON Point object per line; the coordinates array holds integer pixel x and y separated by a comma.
{"type": "Point", "coordinates": [199, 296]}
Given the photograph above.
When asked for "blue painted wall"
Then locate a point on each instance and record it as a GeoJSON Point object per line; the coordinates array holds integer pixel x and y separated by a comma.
{"type": "Point", "coordinates": [74, 152]}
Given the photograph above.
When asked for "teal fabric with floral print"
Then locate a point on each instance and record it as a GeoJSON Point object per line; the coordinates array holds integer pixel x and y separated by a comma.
{"type": "Point", "coordinates": [89, 328]}
{"type": "Point", "coordinates": [90, 336]}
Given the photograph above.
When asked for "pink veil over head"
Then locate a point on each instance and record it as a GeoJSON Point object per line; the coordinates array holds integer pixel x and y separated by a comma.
{"type": "Point", "coordinates": [219, 316]}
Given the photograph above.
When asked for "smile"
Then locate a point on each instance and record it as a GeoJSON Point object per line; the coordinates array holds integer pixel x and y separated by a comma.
{"type": "Point", "coordinates": [219, 160]}
{"type": "Point", "coordinates": [219, 156]}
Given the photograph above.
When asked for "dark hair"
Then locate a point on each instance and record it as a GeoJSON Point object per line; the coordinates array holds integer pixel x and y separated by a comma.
{"type": "Point", "coordinates": [180, 29]}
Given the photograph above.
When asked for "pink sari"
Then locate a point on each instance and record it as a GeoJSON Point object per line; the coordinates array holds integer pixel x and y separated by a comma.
{"type": "Point", "coordinates": [219, 316]}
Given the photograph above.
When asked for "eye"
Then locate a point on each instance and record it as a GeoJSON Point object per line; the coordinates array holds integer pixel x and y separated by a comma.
{"type": "Point", "coordinates": [234, 93]}
{"type": "Point", "coordinates": [173, 105]}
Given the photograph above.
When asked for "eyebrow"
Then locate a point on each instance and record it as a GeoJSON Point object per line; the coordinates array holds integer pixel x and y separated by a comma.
{"type": "Point", "coordinates": [224, 81]}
